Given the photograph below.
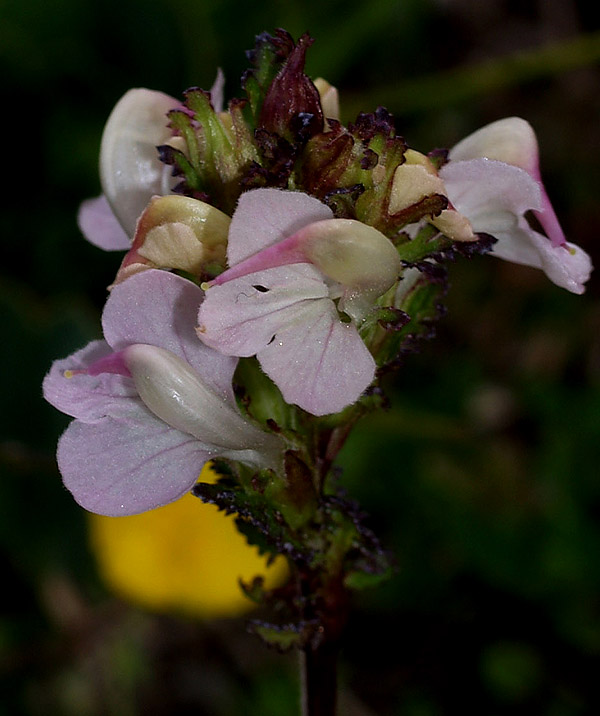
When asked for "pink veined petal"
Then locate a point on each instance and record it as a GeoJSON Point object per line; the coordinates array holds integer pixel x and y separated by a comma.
{"type": "Point", "coordinates": [127, 465]}
{"type": "Point", "coordinates": [318, 362]}
{"type": "Point", "coordinates": [89, 398]}
{"type": "Point", "coordinates": [160, 309]}
{"type": "Point", "coordinates": [100, 226]}
{"type": "Point", "coordinates": [265, 216]}
{"type": "Point", "coordinates": [242, 316]}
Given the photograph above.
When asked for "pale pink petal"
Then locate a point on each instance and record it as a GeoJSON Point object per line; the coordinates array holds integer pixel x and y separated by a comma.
{"type": "Point", "coordinates": [130, 464]}
{"type": "Point", "coordinates": [549, 221]}
{"type": "Point", "coordinates": [494, 196]}
{"type": "Point", "coordinates": [568, 266]}
{"type": "Point", "coordinates": [483, 189]}
{"type": "Point", "coordinates": [130, 170]}
{"type": "Point", "coordinates": [160, 309]}
{"type": "Point", "coordinates": [512, 140]}
{"type": "Point", "coordinates": [90, 398]}
{"type": "Point", "coordinates": [318, 362]}
{"type": "Point", "coordinates": [265, 216]}
{"type": "Point", "coordinates": [345, 251]}
{"type": "Point", "coordinates": [100, 226]}
{"type": "Point", "coordinates": [242, 316]}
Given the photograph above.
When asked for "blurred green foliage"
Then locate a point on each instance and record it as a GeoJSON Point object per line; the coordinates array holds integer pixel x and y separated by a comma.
{"type": "Point", "coordinates": [483, 475]}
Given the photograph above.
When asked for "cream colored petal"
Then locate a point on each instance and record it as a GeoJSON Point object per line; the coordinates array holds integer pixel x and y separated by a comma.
{"type": "Point", "coordinates": [411, 184]}
{"type": "Point", "coordinates": [130, 270]}
{"type": "Point", "coordinates": [454, 225]}
{"type": "Point", "coordinates": [411, 156]}
{"type": "Point", "coordinates": [181, 232]}
{"type": "Point", "coordinates": [329, 98]}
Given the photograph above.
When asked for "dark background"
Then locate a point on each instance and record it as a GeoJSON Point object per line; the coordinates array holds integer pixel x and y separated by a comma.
{"type": "Point", "coordinates": [483, 478]}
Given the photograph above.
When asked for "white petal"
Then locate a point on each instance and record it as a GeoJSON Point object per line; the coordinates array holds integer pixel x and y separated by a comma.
{"type": "Point", "coordinates": [495, 196]}
{"type": "Point", "coordinates": [217, 91]}
{"type": "Point", "coordinates": [511, 140]}
{"type": "Point", "coordinates": [130, 171]}
{"type": "Point", "coordinates": [568, 266]}
{"type": "Point", "coordinates": [481, 188]}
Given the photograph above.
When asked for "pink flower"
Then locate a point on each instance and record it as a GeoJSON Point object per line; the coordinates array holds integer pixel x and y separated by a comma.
{"type": "Point", "coordinates": [151, 403]}
{"type": "Point", "coordinates": [493, 179]}
{"type": "Point", "coordinates": [290, 263]}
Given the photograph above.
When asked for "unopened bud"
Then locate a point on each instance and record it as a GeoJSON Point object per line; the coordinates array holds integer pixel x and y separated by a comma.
{"type": "Point", "coordinates": [177, 232]}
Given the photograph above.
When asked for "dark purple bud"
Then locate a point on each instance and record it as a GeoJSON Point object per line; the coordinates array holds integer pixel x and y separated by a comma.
{"type": "Point", "coordinates": [368, 125]}
{"type": "Point", "coordinates": [292, 106]}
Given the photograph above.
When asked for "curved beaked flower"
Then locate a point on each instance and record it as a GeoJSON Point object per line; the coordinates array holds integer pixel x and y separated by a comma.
{"type": "Point", "coordinates": [152, 404]}
{"type": "Point", "coordinates": [493, 179]}
{"type": "Point", "coordinates": [130, 170]}
{"type": "Point", "coordinates": [289, 261]}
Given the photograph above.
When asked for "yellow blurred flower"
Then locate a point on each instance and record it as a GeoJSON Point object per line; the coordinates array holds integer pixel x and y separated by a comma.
{"type": "Point", "coordinates": [186, 557]}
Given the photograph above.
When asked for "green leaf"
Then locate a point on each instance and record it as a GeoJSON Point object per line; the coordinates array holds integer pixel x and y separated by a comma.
{"type": "Point", "coordinates": [261, 522]}
{"type": "Point", "coordinates": [360, 580]}
{"type": "Point", "coordinates": [427, 242]}
{"type": "Point", "coordinates": [283, 638]}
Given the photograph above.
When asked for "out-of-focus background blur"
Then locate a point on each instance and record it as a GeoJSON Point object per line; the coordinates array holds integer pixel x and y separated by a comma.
{"type": "Point", "coordinates": [482, 478]}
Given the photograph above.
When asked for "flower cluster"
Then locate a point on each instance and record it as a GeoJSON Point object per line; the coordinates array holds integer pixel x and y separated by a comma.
{"type": "Point", "coordinates": [276, 264]}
